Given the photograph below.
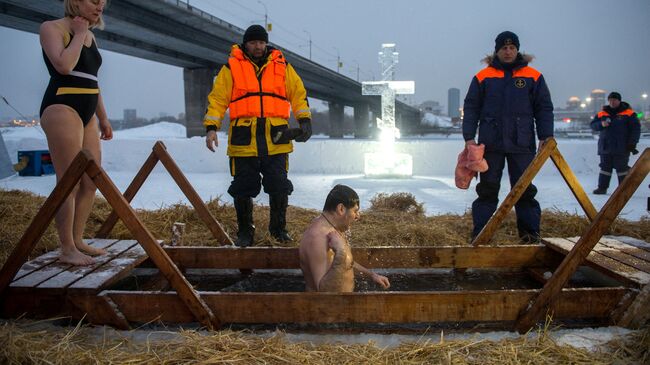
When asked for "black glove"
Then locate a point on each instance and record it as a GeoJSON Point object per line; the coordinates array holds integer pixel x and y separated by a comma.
{"type": "Point", "coordinates": [305, 126]}
{"type": "Point", "coordinates": [286, 135]}
{"type": "Point", "coordinates": [632, 148]}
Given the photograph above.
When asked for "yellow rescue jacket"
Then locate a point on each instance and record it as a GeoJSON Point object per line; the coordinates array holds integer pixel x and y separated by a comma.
{"type": "Point", "coordinates": [255, 95]}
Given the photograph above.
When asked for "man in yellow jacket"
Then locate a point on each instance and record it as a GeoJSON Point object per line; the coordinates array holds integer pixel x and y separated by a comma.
{"type": "Point", "coordinates": [258, 87]}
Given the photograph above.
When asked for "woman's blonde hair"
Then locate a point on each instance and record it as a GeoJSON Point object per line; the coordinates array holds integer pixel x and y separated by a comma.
{"type": "Point", "coordinates": [72, 10]}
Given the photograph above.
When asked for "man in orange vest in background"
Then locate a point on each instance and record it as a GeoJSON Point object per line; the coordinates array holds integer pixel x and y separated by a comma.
{"type": "Point", "coordinates": [259, 87]}
{"type": "Point", "coordinates": [619, 130]}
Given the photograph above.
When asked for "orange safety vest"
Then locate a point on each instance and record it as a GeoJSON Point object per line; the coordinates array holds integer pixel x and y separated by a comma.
{"type": "Point", "coordinates": [626, 112]}
{"type": "Point", "coordinates": [263, 97]}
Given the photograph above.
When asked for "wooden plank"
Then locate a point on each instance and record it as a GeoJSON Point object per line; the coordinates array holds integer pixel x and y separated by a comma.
{"type": "Point", "coordinates": [628, 249]}
{"type": "Point", "coordinates": [199, 206]}
{"type": "Point", "coordinates": [126, 213]}
{"type": "Point", "coordinates": [43, 218]}
{"type": "Point", "coordinates": [370, 307]}
{"type": "Point", "coordinates": [65, 278]}
{"type": "Point", "coordinates": [637, 314]}
{"type": "Point", "coordinates": [371, 257]}
{"type": "Point", "coordinates": [638, 244]}
{"type": "Point", "coordinates": [515, 193]}
{"type": "Point", "coordinates": [29, 282]}
{"type": "Point", "coordinates": [129, 194]}
{"type": "Point", "coordinates": [111, 272]}
{"type": "Point", "coordinates": [588, 240]}
{"type": "Point", "coordinates": [573, 183]}
{"type": "Point", "coordinates": [604, 264]}
{"type": "Point", "coordinates": [37, 263]}
{"type": "Point", "coordinates": [32, 304]}
{"type": "Point", "coordinates": [99, 309]}
{"type": "Point", "coordinates": [618, 255]}
{"type": "Point", "coordinates": [541, 274]}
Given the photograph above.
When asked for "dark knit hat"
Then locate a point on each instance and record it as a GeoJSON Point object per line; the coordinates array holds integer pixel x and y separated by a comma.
{"type": "Point", "coordinates": [505, 38]}
{"type": "Point", "coordinates": [256, 32]}
{"type": "Point", "coordinates": [614, 95]}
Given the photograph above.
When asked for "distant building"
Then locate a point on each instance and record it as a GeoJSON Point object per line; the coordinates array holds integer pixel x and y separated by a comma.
{"type": "Point", "coordinates": [130, 116]}
{"type": "Point", "coordinates": [431, 106]}
{"type": "Point", "coordinates": [573, 103]}
{"type": "Point", "coordinates": [598, 100]}
{"type": "Point", "coordinates": [453, 103]}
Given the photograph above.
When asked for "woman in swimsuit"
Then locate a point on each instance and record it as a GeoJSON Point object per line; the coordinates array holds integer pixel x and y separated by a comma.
{"type": "Point", "coordinates": [73, 114]}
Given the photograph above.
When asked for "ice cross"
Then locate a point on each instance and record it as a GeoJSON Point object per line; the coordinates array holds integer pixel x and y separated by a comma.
{"type": "Point", "coordinates": [388, 89]}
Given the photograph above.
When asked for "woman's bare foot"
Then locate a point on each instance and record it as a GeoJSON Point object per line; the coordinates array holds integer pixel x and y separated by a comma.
{"type": "Point", "coordinates": [75, 258]}
{"type": "Point", "coordinates": [90, 250]}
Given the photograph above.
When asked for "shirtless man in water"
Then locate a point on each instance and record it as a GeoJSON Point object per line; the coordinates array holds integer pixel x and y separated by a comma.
{"type": "Point", "coordinates": [325, 255]}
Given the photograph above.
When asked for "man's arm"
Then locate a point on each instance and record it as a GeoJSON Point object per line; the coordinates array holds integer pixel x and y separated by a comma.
{"type": "Point", "coordinates": [315, 257]}
{"type": "Point", "coordinates": [472, 110]}
{"type": "Point", "coordinates": [297, 94]}
{"type": "Point", "coordinates": [543, 109]}
{"type": "Point", "coordinates": [218, 99]}
{"type": "Point", "coordinates": [379, 279]}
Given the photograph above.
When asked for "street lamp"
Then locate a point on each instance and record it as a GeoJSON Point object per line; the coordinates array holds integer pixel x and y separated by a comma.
{"type": "Point", "coordinates": [338, 60]}
{"type": "Point", "coordinates": [309, 34]}
{"type": "Point", "coordinates": [645, 103]}
{"type": "Point", "coordinates": [266, 15]}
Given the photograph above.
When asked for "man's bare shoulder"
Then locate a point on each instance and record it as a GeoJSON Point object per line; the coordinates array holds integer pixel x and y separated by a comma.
{"type": "Point", "coordinates": [315, 235]}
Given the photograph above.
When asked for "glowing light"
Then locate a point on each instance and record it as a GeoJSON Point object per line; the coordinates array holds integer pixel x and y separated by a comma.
{"type": "Point", "coordinates": [386, 162]}
{"type": "Point", "coordinates": [583, 105]}
{"type": "Point", "coordinates": [566, 120]}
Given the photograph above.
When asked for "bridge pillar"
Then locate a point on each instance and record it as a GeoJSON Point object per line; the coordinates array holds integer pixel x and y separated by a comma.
{"type": "Point", "coordinates": [361, 120]}
{"type": "Point", "coordinates": [198, 84]}
{"type": "Point", "coordinates": [336, 119]}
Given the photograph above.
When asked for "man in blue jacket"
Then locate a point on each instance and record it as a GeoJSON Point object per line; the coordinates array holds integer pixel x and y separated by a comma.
{"type": "Point", "coordinates": [508, 102]}
{"type": "Point", "coordinates": [619, 133]}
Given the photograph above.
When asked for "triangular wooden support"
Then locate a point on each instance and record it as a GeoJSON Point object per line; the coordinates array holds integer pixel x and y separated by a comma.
{"type": "Point", "coordinates": [585, 244]}
{"type": "Point", "coordinates": [549, 149]}
{"type": "Point", "coordinates": [160, 153]}
{"type": "Point", "coordinates": [84, 163]}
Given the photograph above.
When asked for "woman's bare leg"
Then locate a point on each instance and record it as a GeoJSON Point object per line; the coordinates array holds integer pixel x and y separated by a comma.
{"type": "Point", "coordinates": [64, 131]}
{"type": "Point", "coordinates": [86, 193]}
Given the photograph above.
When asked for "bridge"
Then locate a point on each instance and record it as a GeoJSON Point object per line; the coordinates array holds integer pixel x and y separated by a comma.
{"type": "Point", "coordinates": [175, 33]}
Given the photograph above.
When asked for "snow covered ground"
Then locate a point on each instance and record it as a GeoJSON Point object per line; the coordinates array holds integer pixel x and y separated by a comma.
{"type": "Point", "coordinates": [318, 165]}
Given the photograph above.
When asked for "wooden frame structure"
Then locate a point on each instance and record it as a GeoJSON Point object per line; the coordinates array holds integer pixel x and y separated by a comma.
{"type": "Point", "coordinates": [549, 149]}
{"type": "Point", "coordinates": [523, 307]}
{"type": "Point", "coordinates": [159, 153]}
{"type": "Point", "coordinates": [84, 163]}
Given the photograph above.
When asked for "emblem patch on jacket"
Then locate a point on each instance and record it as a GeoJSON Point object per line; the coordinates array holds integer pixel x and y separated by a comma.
{"type": "Point", "coordinates": [520, 83]}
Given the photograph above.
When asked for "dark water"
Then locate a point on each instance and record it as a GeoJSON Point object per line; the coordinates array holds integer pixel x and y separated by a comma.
{"type": "Point", "coordinates": [401, 280]}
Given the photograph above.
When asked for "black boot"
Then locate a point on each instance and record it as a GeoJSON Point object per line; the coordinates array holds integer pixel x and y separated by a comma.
{"type": "Point", "coordinates": [246, 229]}
{"type": "Point", "coordinates": [600, 191]}
{"type": "Point", "coordinates": [277, 219]}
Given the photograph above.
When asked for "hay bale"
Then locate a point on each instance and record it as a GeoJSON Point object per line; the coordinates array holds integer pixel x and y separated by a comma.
{"type": "Point", "coordinates": [25, 342]}
{"type": "Point", "coordinates": [392, 220]}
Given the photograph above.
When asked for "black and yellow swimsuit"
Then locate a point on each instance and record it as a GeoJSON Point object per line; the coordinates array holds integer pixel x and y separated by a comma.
{"type": "Point", "coordinates": [79, 89]}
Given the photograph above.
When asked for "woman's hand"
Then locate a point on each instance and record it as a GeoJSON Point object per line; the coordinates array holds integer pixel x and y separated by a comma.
{"type": "Point", "coordinates": [79, 26]}
{"type": "Point", "coordinates": [106, 129]}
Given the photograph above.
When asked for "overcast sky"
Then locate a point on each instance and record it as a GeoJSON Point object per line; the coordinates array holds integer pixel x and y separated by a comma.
{"type": "Point", "coordinates": [579, 45]}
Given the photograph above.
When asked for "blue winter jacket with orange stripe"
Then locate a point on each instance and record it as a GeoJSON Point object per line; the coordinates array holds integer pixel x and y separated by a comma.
{"type": "Point", "coordinates": [624, 130]}
{"type": "Point", "coordinates": [508, 105]}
